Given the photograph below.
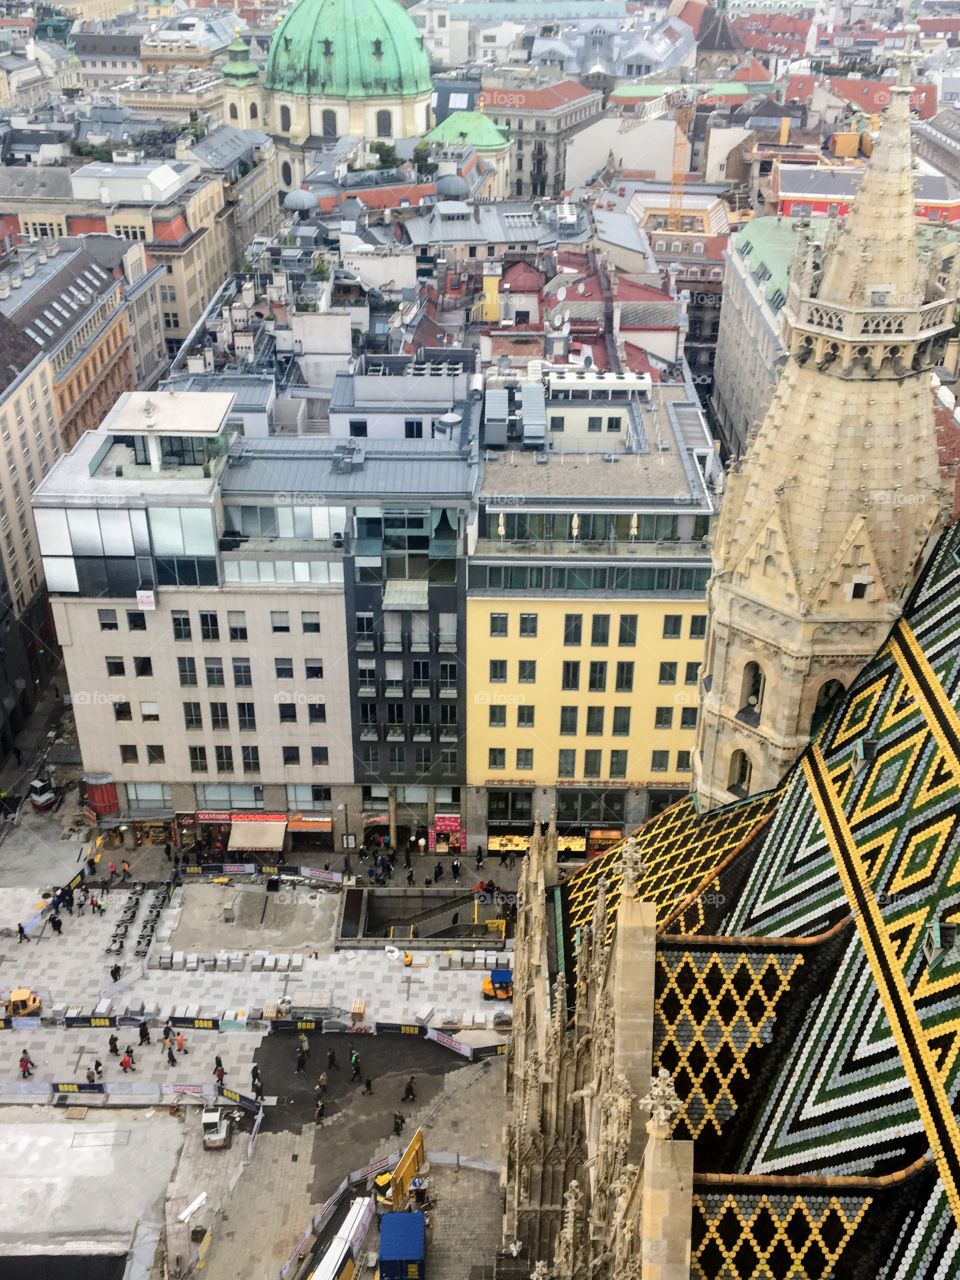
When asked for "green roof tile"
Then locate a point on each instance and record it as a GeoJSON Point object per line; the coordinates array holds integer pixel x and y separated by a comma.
{"type": "Point", "coordinates": [477, 129]}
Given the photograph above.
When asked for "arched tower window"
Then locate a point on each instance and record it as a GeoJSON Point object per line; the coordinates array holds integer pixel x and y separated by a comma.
{"type": "Point", "coordinates": [329, 121]}
{"type": "Point", "coordinates": [254, 113]}
{"type": "Point", "coordinates": [384, 124]}
{"type": "Point", "coordinates": [770, 567]}
{"type": "Point", "coordinates": [741, 771]}
{"type": "Point", "coordinates": [284, 119]}
{"type": "Point", "coordinates": [286, 174]}
{"type": "Point", "coordinates": [751, 693]}
{"type": "Point", "coordinates": [233, 111]}
{"type": "Point", "coordinates": [827, 698]}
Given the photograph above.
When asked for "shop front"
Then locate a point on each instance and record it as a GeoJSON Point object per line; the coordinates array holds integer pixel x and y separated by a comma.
{"type": "Point", "coordinates": [446, 835]}
{"type": "Point", "coordinates": [310, 832]}
{"type": "Point", "coordinates": [260, 834]}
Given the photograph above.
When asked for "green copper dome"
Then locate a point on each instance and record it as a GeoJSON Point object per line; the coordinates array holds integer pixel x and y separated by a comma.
{"type": "Point", "coordinates": [472, 127]}
{"type": "Point", "coordinates": [238, 65]}
{"type": "Point", "coordinates": [348, 49]}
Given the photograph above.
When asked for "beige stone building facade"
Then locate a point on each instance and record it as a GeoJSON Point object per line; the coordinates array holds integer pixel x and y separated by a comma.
{"type": "Point", "coordinates": [826, 516]}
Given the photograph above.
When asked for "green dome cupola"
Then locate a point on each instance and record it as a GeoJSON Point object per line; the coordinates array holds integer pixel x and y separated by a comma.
{"type": "Point", "coordinates": [239, 68]}
{"type": "Point", "coordinates": [348, 49]}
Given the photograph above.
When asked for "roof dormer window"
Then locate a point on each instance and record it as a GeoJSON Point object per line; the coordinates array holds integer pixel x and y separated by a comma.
{"type": "Point", "coordinates": [328, 48]}
{"type": "Point", "coordinates": [378, 48]}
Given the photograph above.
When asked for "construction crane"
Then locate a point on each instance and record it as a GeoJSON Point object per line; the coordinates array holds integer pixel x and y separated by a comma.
{"type": "Point", "coordinates": [681, 101]}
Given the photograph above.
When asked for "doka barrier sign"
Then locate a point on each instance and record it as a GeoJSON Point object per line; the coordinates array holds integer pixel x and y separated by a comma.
{"type": "Point", "coordinates": [194, 869]}
{"type": "Point", "coordinates": [239, 1099]}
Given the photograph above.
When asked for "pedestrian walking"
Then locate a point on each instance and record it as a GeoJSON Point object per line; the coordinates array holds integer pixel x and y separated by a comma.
{"type": "Point", "coordinates": [130, 1053]}
{"type": "Point", "coordinates": [479, 858]}
{"type": "Point", "coordinates": [304, 1044]}
{"type": "Point", "coordinates": [96, 906]}
{"type": "Point", "coordinates": [254, 1076]}
{"type": "Point", "coordinates": [21, 934]}
{"type": "Point", "coordinates": [406, 859]}
{"type": "Point", "coordinates": [166, 850]}
{"type": "Point", "coordinates": [513, 859]}
{"type": "Point", "coordinates": [165, 1044]}
{"type": "Point", "coordinates": [26, 1063]}
{"type": "Point", "coordinates": [219, 1072]}
{"type": "Point", "coordinates": [171, 1057]}
{"type": "Point", "coordinates": [126, 1064]}
{"type": "Point", "coordinates": [322, 1083]}
{"type": "Point", "coordinates": [98, 1068]}
{"type": "Point", "coordinates": [56, 924]}
{"type": "Point", "coordinates": [355, 1063]}
{"type": "Point", "coordinates": [181, 1043]}
{"type": "Point", "coordinates": [319, 1112]}
{"type": "Point", "coordinates": [455, 868]}
{"type": "Point", "coordinates": [332, 1064]}
{"type": "Point", "coordinates": [91, 866]}
{"type": "Point", "coordinates": [409, 1093]}
{"type": "Point", "coordinates": [176, 862]}
{"type": "Point", "coordinates": [113, 1046]}
{"type": "Point", "coordinates": [367, 1086]}
{"type": "Point", "coordinates": [124, 870]}
{"type": "Point", "coordinates": [144, 1032]}
{"type": "Point", "coordinates": [438, 872]}
{"type": "Point", "coordinates": [398, 1122]}
{"type": "Point", "coordinates": [168, 1029]}
{"type": "Point", "coordinates": [411, 879]}
{"type": "Point", "coordinates": [115, 972]}
{"type": "Point", "coordinates": [301, 1063]}
{"type": "Point", "coordinates": [258, 1089]}
{"type": "Point", "coordinates": [81, 901]}
{"type": "Point", "coordinates": [91, 1077]}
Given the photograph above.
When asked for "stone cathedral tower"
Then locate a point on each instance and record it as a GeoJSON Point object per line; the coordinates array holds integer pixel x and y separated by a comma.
{"type": "Point", "coordinates": [828, 513]}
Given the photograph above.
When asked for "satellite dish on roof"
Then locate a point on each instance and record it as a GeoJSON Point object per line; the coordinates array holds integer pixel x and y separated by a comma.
{"type": "Point", "coordinates": [566, 316]}
{"type": "Point", "coordinates": [566, 328]}
{"type": "Point", "coordinates": [562, 293]}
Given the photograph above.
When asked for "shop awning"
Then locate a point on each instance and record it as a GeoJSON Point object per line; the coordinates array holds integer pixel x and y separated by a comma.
{"type": "Point", "coordinates": [257, 837]}
{"type": "Point", "coordinates": [409, 594]}
{"type": "Point", "coordinates": [307, 822]}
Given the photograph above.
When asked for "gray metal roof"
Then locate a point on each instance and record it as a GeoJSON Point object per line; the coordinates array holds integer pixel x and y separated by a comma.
{"type": "Point", "coordinates": [252, 392]}
{"type": "Point", "coordinates": [398, 469]}
{"type": "Point", "coordinates": [800, 180]}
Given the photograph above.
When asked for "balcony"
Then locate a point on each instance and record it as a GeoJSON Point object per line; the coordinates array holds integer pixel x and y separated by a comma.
{"type": "Point", "coordinates": [393, 688]}
{"type": "Point", "coordinates": [444, 548]}
{"type": "Point", "coordinates": [396, 733]}
{"type": "Point", "coordinates": [367, 691]}
{"type": "Point", "coordinates": [393, 644]}
{"type": "Point", "coordinates": [369, 733]}
{"type": "Point", "coordinates": [447, 642]}
{"type": "Point", "coordinates": [563, 548]}
{"type": "Point", "coordinates": [449, 733]}
{"type": "Point", "coordinates": [422, 733]}
{"type": "Point", "coordinates": [366, 644]}
{"type": "Point", "coordinates": [448, 691]}
{"type": "Point", "coordinates": [421, 691]}
{"type": "Point", "coordinates": [419, 645]}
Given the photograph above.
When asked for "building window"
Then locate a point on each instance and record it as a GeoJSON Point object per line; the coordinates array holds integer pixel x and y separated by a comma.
{"type": "Point", "coordinates": [198, 759]}
{"type": "Point", "coordinates": [624, 677]}
{"type": "Point", "coordinates": [600, 629]}
{"type": "Point", "coordinates": [671, 626]}
{"type": "Point", "coordinates": [233, 111]}
{"type": "Point", "coordinates": [287, 711]}
{"type": "Point", "coordinates": [187, 670]}
{"type": "Point", "coordinates": [597, 680]}
{"type": "Point", "coordinates": [219, 716]}
{"type": "Point", "coordinates": [313, 668]}
{"type": "Point", "coordinates": [621, 721]}
{"type": "Point", "coordinates": [688, 717]}
{"type": "Point", "coordinates": [136, 621]}
{"type": "Point", "coordinates": [397, 759]}
{"type": "Point", "coordinates": [573, 628]}
{"type": "Point", "coordinates": [413, 429]}
{"type": "Point", "coordinates": [279, 622]}
{"type": "Point", "coordinates": [570, 676]}
{"type": "Point", "coordinates": [668, 673]}
{"type": "Point", "coordinates": [384, 124]}
{"type": "Point", "coordinates": [594, 424]}
{"type": "Point", "coordinates": [496, 758]}
{"type": "Point", "coordinates": [613, 424]}
{"type": "Point", "coordinates": [121, 711]}
{"type": "Point", "coordinates": [246, 716]}
{"type": "Point", "coordinates": [568, 720]}
{"type": "Point", "coordinates": [149, 711]}
{"type": "Point", "coordinates": [618, 764]}
{"type": "Point", "coordinates": [527, 671]}
{"type": "Point", "coordinates": [317, 712]}
{"type": "Point", "coordinates": [556, 422]}
{"type": "Point", "coordinates": [498, 624]}
{"type": "Point", "coordinates": [660, 761]}
{"type": "Point", "coordinates": [525, 716]}
{"type": "Point", "coordinates": [358, 428]}
{"type": "Point", "coordinates": [251, 759]}
{"type": "Point", "coordinates": [310, 623]}
{"type": "Point", "coordinates": [237, 624]}
{"type": "Point", "coordinates": [209, 626]}
{"type": "Point", "coordinates": [595, 721]}
{"type": "Point", "coordinates": [155, 753]}
{"type": "Point", "coordinates": [285, 128]}
{"type": "Point", "coordinates": [319, 755]}
{"type": "Point", "coordinates": [663, 718]}
{"type": "Point", "coordinates": [143, 667]}
{"type": "Point", "coordinates": [683, 761]}
{"type": "Point", "coordinates": [128, 754]}
{"type": "Point", "coordinates": [591, 764]}
{"type": "Point", "coordinates": [291, 755]}
{"type": "Point", "coordinates": [224, 759]}
{"type": "Point", "coordinates": [698, 626]}
{"type": "Point", "coordinates": [181, 625]}
{"type": "Point", "coordinates": [115, 667]}
{"type": "Point", "coordinates": [566, 763]}
{"type": "Point", "coordinates": [242, 673]}
{"type": "Point", "coordinates": [628, 629]}
{"type": "Point", "coordinates": [192, 717]}
{"type": "Point", "coordinates": [691, 673]}
{"type": "Point", "coordinates": [286, 174]}
{"type": "Point", "coordinates": [254, 113]}
{"type": "Point", "coordinates": [498, 671]}
{"type": "Point", "coordinates": [741, 773]}
{"type": "Point", "coordinates": [497, 717]}
{"type": "Point", "coordinates": [108, 620]}
{"type": "Point", "coordinates": [528, 624]}
{"type": "Point", "coordinates": [524, 758]}
{"type": "Point", "coordinates": [214, 671]}
{"type": "Point", "coordinates": [328, 124]}
{"type": "Point", "coordinates": [751, 691]}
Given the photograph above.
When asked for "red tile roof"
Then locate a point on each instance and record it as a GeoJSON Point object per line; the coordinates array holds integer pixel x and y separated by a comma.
{"type": "Point", "coordinates": [522, 278]}
{"type": "Point", "coordinates": [867, 95]}
{"type": "Point", "coordinates": [692, 14]}
{"type": "Point", "coordinates": [752, 71]}
{"type": "Point", "coordinates": [627, 290]}
{"type": "Point", "coordinates": [546, 99]}
{"type": "Point", "coordinates": [948, 447]}
{"type": "Point", "coordinates": [939, 26]}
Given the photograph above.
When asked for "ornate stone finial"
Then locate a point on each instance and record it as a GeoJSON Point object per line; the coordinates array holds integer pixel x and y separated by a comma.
{"type": "Point", "coordinates": [662, 1101]}
{"type": "Point", "coordinates": [149, 409]}
{"type": "Point", "coordinates": [632, 864]}
{"type": "Point", "coordinates": [540, 1271]}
